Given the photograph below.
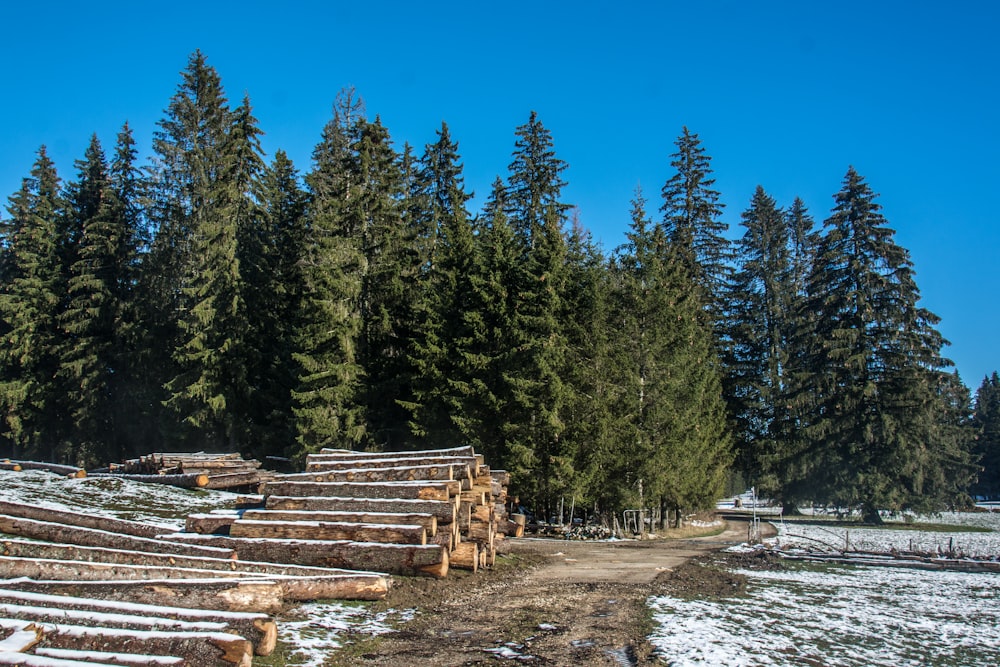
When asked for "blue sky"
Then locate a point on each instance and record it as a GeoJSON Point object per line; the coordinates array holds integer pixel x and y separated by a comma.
{"type": "Point", "coordinates": [782, 94]}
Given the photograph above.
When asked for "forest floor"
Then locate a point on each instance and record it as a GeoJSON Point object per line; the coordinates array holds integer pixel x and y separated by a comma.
{"type": "Point", "coordinates": [549, 602]}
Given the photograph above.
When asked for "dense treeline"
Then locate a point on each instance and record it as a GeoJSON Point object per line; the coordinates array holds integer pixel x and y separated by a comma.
{"type": "Point", "coordinates": [210, 299]}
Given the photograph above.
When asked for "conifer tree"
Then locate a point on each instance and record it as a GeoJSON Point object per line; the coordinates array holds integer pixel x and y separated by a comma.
{"type": "Point", "coordinates": [986, 424]}
{"type": "Point", "coordinates": [327, 399]}
{"type": "Point", "coordinates": [442, 408]}
{"type": "Point", "coordinates": [692, 218]}
{"type": "Point", "coordinates": [539, 459]}
{"type": "Point", "coordinates": [763, 295]}
{"type": "Point", "coordinates": [30, 302]}
{"type": "Point", "coordinates": [867, 394]}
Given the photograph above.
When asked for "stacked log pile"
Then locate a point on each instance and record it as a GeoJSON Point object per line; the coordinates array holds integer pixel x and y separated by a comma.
{"type": "Point", "coordinates": [405, 513]}
{"type": "Point", "coordinates": [195, 470]}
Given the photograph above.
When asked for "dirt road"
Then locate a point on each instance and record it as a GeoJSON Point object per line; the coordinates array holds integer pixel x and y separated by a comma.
{"type": "Point", "coordinates": [550, 602]}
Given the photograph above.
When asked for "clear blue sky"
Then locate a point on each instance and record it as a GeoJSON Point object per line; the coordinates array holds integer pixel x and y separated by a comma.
{"type": "Point", "coordinates": [783, 94]}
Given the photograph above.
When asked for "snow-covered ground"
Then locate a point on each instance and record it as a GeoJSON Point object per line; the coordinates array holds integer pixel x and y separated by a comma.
{"type": "Point", "coordinates": [840, 616]}
{"type": "Point", "coordinates": [313, 630]}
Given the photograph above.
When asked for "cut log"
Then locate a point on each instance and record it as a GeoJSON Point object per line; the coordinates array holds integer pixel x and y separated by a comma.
{"type": "Point", "coordinates": [330, 530]}
{"type": "Point", "coordinates": [428, 521]}
{"type": "Point", "coordinates": [258, 628]}
{"type": "Point", "coordinates": [221, 464]}
{"type": "Point", "coordinates": [401, 490]}
{"type": "Point", "coordinates": [69, 518]}
{"type": "Point", "coordinates": [54, 532]}
{"type": "Point", "coordinates": [210, 524]}
{"type": "Point", "coordinates": [192, 481]}
{"type": "Point", "coordinates": [454, 451]}
{"type": "Point", "coordinates": [321, 462]}
{"type": "Point", "coordinates": [388, 474]}
{"type": "Point", "coordinates": [465, 556]}
{"type": "Point", "coordinates": [297, 582]}
{"type": "Point", "coordinates": [12, 467]}
{"type": "Point", "coordinates": [233, 480]}
{"type": "Point", "coordinates": [401, 559]}
{"type": "Point", "coordinates": [99, 658]}
{"type": "Point", "coordinates": [205, 649]}
{"type": "Point", "coordinates": [443, 511]}
{"type": "Point", "coordinates": [55, 468]}
{"type": "Point", "coordinates": [245, 595]}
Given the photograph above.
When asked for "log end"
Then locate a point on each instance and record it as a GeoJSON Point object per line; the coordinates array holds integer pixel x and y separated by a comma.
{"type": "Point", "coordinates": [437, 570]}
{"type": "Point", "coordinates": [201, 480]}
{"type": "Point", "coordinates": [269, 636]}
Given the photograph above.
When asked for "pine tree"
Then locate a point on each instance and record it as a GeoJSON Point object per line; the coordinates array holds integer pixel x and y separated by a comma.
{"type": "Point", "coordinates": [867, 389]}
{"type": "Point", "coordinates": [30, 302]}
{"type": "Point", "coordinates": [986, 424]}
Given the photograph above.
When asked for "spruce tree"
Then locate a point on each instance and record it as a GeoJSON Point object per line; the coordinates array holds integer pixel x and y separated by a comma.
{"type": "Point", "coordinates": [30, 302]}
{"type": "Point", "coordinates": [692, 219]}
{"type": "Point", "coordinates": [539, 458]}
{"type": "Point", "coordinates": [327, 399]}
{"type": "Point", "coordinates": [442, 407]}
{"type": "Point", "coordinates": [986, 424]}
{"type": "Point", "coordinates": [866, 392]}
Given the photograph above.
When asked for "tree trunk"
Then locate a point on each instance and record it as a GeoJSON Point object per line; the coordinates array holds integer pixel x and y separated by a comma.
{"type": "Point", "coordinates": [53, 532]}
{"type": "Point", "coordinates": [188, 481]}
{"type": "Point", "coordinates": [69, 518]}
{"type": "Point", "coordinates": [397, 490]}
{"type": "Point", "coordinates": [428, 521]}
{"type": "Point", "coordinates": [330, 530]}
{"type": "Point", "coordinates": [401, 559]}
{"type": "Point", "coordinates": [348, 453]}
{"type": "Point", "coordinates": [442, 510]}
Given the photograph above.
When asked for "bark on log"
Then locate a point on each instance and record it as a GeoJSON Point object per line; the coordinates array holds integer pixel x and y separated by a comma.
{"type": "Point", "coordinates": [55, 468]}
{"type": "Point", "coordinates": [53, 532]}
{"type": "Point", "coordinates": [192, 481]}
{"type": "Point", "coordinates": [330, 530]}
{"type": "Point", "coordinates": [443, 511]}
{"type": "Point", "coordinates": [387, 474]}
{"type": "Point", "coordinates": [297, 582]}
{"type": "Point", "coordinates": [98, 658]}
{"type": "Point", "coordinates": [260, 629]}
{"type": "Point", "coordinates": [69, 518]}
{"type": "Point", "coordinates": [244, 595]}
{"type": "Point", "coordinates": [402, 559]}
{"type": "Point", "coordinates": [205, 649]}
{"type": "Point", "coordinates": [428, 521]}
{"type": "Point", "coordinates": [233, 480]}
{"type": "Point", "coordinates": [210, 524]}
{"type": "Point", "coordinates": [453, 451]}
{"type": "Point", "coordinates": [12, 467]}
{"type": "Point", "coordinates": [401, 490]}
{"type": "Point", "coordinates": [203, 465]}
{"type": "Point", "coordinates": [322, 462]}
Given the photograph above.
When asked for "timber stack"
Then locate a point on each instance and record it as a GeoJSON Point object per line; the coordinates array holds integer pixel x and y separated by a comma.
{"type": "Point", "coordinates": [404, 513]}
{"type": "Point", "coordinates": [229, 472]}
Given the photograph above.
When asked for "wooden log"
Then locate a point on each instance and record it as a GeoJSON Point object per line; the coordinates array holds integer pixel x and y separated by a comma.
{"type": "Point", "coordinates": [192, 481]}
{"type": "Point", "coordinates": [428, 521]}
{"type": "Point", "coordinates": [258, 628]}
{"type": "Point", "coordinates": [234, 479]}
{"type": "Point", "coordinates": [211, 523]}
{"type": "Point", "coordinates": [321, 462]}
{"type": "Point", "coordinates": [501, 476]}
{"type": "Point", "coordinates": [204, 465]}
{"type": "Point", "coordinates": [399, 490]}
{"type": "Point", "coordinates": [330, 530]}
{"type": "Point", "coordinates": [53, 532]}
{"type": "Point", "coordinates": [55, 468]}
{"type": "Point", "coordinates": [72, 658]}
{"type": "Point", "coordinates": [12, 467]}
{"type": "Point", "coordinates": [465, 556]}
{"type": "Point", "coordinates": [69, 518]}
{"type": "Point", "coordinates": [442, 511]}
{"type": "Point", "coordinates": [297, 582]}
{"type": "Point", "coordinates": [340, 584]}
{"type": "Point", "coordinates": [205, 649]}
{"type": "Point", "coordinates": [453, 451]}
{"type": "Point", "coordinates": [387, 474]}
{"type": "Point", "coordinates": [402, 559]}
{"type": "Point", "coordinates": [245, 595]}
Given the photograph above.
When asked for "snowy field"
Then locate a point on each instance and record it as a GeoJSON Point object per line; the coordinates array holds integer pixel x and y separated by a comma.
{"type": "Point", "coordinates": [840, 616]}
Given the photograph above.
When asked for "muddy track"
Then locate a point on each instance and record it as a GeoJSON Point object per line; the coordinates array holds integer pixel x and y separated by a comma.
{"type": "Point", "coordinates": [549, 602]}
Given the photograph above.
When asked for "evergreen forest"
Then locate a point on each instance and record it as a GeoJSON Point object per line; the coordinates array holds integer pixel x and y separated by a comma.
{"type": "Point", "coordinates": [210, 297]}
